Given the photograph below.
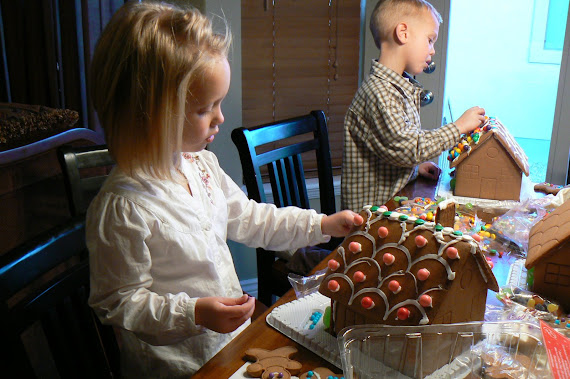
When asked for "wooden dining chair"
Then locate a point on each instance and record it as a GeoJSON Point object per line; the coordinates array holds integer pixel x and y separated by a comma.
{"type": "Point", "coordinates": [84, 170]}
{"type": "Point", "coordinates": [281, 148]}
{"type": "Point", "coordinates": [48, 329]}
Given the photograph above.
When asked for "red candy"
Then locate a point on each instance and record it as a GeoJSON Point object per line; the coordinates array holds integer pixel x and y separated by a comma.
{"type": "Point", "coordinates": [355, 247]}
{"type": "Point", "coordinates": [421, 241]}
{"type": "Point", "coordinates": [333, 285]}
{"type": "Point", "coordinates": [452, 252]}
{"type": "Point", "coordinates": [388, 258]}
{"type": "Point", "coordinates": [423, 274]}
{"type": "Point", "coordinates": [382, 232]}
{"type": "Point", "coordinates": [425, 301]}
{"type": "Point", "coordinates": [394, 286]}
{"type": "Point", "coordinates": [333, 265]}
{"type": "Point", "coordinates": [403, 313]}
{"type": "Point", "coordinates": [477, 237]}
{"type": "Point", "coordinates": [359, 276]}
{"type": "Point", "coordinates": [367, 302]}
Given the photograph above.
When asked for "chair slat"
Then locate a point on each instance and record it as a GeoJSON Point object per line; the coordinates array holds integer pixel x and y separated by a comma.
{"type": "Point", "coordinates": [285, 170]}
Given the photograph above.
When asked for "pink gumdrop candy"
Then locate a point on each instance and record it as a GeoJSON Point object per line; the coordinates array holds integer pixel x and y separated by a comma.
{"type": "Point", "coordinates": [452, 252]}
{"type": "Point", "coordinates": [333, 285]}
{"type": "Point", "coordinates": [477, 237]}
{"type": "Point", "coordinates": [423, 274]}
{"type": "Point", "coordinates": [355, 247]}
{"type": "Point", "coordinates": [359, 276]}
{"type": "Point", "coordinates": [421, 241]}
{"type": "Point", "coordinates": [403, 313]}
{"type": "Point", "coordinates": [394, 286]}
{"type": "Point", "coordinates": [333, 265]}
{"type": "Point", "coordinates": [388, 258]}
{"type": "Point", "coordinates": [425, 301]}
{"type": "Point", "coordinates": [382, 232]}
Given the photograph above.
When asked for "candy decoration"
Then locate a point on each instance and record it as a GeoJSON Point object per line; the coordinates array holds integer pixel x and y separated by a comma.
{"type": "Point", "coordinates": [333, 285]}
{"type": "Point", "coordinates": [359, 276]}
{"type": "Point", "coordinates": [388, 259]}
{"type": "Point", "coordinates": [477, 237]}
{"type": "Point", "coordinates": [382, 232]}
{"type": "Point", "coordinates": [367, 302]}
{"type": "Point", "coordinates": [426, 301]}
{"type": "Point", "coordinates": [423, 274]}
{"type": "Point", "coordinates": [403, 313]}
{"type": "Point", "coordinates": [421, 241]}
{"type": "Point", "coordinates": [333, 265]}
{"type": "Point", "coordinates": [452, 252]}
{"type": "Point", "coordinates": [394, 286]}
{"type": "Point", "coordinates": [355, 247]}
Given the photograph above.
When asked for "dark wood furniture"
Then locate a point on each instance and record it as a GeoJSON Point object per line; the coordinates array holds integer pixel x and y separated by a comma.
{"type": "Point", "coordinates": [32, 192]}
{"type": "Point", "coordinates": [260, 334]}
{"type": "Point", "coordinates": [84, 171]}
{"type": "Point", "coordinates": [47, 326]}
{"type": "Point", "coordinates": [281, 147]}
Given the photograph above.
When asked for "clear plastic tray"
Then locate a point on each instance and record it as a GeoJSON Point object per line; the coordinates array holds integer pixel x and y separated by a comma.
{"type": "Point", "coordinates": [466, 350]}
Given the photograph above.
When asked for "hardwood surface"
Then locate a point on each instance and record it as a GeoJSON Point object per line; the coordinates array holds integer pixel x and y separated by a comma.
{"type": "Point", "coordinates": [260, 335]}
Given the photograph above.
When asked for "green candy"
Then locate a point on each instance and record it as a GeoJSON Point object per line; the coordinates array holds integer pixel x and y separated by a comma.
{"type": "Point", "coordinates": [374, 208]}
{"type": "Point", "coordinates": [386, 214]}
{"type": "Point", "coordinates": [438, 228]}
{"type": "Point", "coordinates": [419, 221]}
{"type": "Point", "coordinates": [327, 318]}
{"type": "Point", "coordinates": [403, 217]}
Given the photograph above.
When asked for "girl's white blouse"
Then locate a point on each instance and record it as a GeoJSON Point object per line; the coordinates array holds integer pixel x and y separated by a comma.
{"type": "Point", "coordinates": [155, 249]}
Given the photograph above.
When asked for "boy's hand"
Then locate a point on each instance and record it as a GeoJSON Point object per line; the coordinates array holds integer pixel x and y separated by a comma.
{"type": "Point", "coordinates": [429, 170]}
{"type": "Point", "coordinates": [223, 314]}
{"type": "Point", "coordinates": [472, 118]}
{"type": "Point", "coordinates": [340, 223]}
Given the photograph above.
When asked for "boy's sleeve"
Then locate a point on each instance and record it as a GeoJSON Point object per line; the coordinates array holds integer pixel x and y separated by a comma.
{"type": "Point", "coordinates": [397, 140]}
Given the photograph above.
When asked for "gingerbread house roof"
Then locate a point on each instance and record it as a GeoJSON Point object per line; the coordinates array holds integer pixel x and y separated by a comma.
{"type": "Point", "coordinates": [548, 234]}
{"type": "Point", "coordinates": [493, 128]}
{"type": "Point", "coordinates": [391, 245]}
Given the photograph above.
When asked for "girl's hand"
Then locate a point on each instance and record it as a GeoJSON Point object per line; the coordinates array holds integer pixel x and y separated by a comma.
{"type": "Point", "coordinates": [340, 223]}
{"type": "Point", "coordinates": [224, 314]}
{"type": "Point", "coordinates": [429, 170]}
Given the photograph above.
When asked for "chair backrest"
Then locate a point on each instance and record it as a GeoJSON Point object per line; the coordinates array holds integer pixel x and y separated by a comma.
{"type": "Point", "coordinates": [285, 164]}
{"type": "Point", "coordinates": [47, 326]}
{"type": "Point", "coordinates": [84, 171]}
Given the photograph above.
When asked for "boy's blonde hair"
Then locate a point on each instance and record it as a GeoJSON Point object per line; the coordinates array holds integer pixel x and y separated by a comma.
{"type": "Point", "coordinates": [145, 63]}
{"type": "Point", "coordinates": [388, 13]}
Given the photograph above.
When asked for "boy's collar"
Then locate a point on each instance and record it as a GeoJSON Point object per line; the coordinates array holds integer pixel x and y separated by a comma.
{"type": "Point", "coordinates": [412, 79]}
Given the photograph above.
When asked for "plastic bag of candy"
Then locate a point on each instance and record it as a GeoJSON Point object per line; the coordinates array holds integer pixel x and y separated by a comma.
{"type": "Point", "coordinates": [515, 225]}
{"type": "Point", "coordinates": [524, 305]}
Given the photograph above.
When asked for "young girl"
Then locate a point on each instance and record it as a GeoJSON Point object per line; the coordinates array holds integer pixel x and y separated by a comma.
{"type": "Point", "coordinates": [161, 270]}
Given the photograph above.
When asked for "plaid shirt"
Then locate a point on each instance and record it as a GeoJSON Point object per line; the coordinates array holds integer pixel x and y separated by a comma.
{"type": "Point", "coordinates": [383, 139]}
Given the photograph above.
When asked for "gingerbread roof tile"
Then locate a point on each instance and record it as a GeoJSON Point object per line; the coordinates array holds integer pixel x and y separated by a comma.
{"type": "Point", "coordinates": [493, 128]}
{"type": "Point", "coordinates": [548, 234]}
{"type": "Point", "coordinates": [384, 260]}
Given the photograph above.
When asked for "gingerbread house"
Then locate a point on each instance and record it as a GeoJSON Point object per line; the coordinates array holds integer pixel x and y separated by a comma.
{"type": "Point", "coordinates": [489, 163]}
{"type": "Point", "coordinates": [549, 256]}
{"type": "Point", "coordinates": [396, 269]}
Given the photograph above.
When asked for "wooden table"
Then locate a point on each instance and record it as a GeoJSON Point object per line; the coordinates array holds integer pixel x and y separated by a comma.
{"type": "Point", "coordinates": [259, 334]}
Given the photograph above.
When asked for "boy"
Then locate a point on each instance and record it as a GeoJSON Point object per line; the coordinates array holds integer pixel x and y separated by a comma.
{"type": "Point", "coordinates": [384, 145]}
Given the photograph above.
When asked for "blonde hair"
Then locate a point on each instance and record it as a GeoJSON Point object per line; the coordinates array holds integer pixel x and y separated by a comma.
{"type": "Point", "coordinates": [388, 13]}
{"type": "Point", "coordinates": [145, 62]}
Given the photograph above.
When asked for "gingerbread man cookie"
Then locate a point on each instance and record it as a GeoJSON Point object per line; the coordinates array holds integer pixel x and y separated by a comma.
{"type": "Point", "coordinates": [321, 373]}
{"type": "Point", "coordinates": [272, 364]}
{"type": "Point", "coordinates": [549, 188]}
